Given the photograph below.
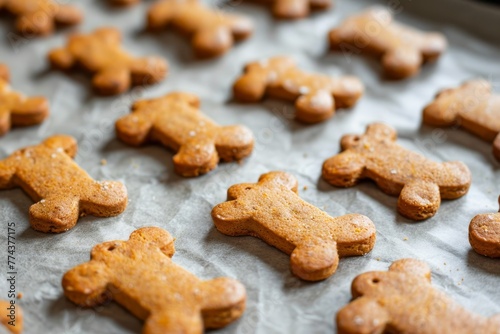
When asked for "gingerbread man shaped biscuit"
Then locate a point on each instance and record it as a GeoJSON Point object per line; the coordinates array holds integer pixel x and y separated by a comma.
{"type": "Point", "coordinates": [39, 17]}
{"type": "Point", "coordinates": [176, 122]}
{"type": "Point", "coordinates": [297, 9]}
{"type": "Point", "coordinates": [17, 109]}
{"type": "Point", "coordinates": [272, 211]}
{"type": "Point", "coordinates": [315, 95]}
{"type": "Point", "coordinates": [403, 300]}
{"type": "Point", "coordinates": [419, 182]}
{"type": "Point", "coordinates": [63, 191]}
{"type": "Point", "coordinates": [484, 234]}
{"type": "Point", "coordinates": [140, 275]}
{"type": "Point", "coordinates": [472, 106]}
{"type": "Point", "coordinates": [113, 69]}
{"type": "Point", "coordinates": [212, 32]}
{"type": "Point", "coordinates": [402, 49]}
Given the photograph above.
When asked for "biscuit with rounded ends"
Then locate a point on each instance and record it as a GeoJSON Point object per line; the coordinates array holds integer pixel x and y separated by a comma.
{"type": "Point", "coordinates": [114, 70]}
{"type": "Point", "coordinates": [63, 191]}
{"type": "Point", "coordinates": [176, 121]}
{"type": "Point", "coordinates": [15, 324]}
{"type": "Point", "coordinates": [471, 106]}
{"type": "Point", "coordinates": [402, 49]}
{"type": "Point", "coordinates": [484, 234]}
{"type": "Point", "coordinates": [272, 211]}
{"type": "Point", "coordinates": [420, 183]}
{"type": "Point", "coordinates": [315, 95]}
{"type": "Point", "coordinates": [212, 32]}
{"type": "Point", "coordinates": [39, 17]}
{"type": "Point", "coordinates": [17, 109]}
{"type": "Point", "coordinates": [140, 275]}
{"type": "Point", "coordinates": [403, 300]}
{"type": "Point", "coordinates": [296, 9]}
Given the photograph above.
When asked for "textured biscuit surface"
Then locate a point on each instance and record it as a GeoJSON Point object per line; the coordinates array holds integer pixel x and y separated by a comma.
{"type": "Point", "coordinates": [484, 234]}
{"type": "Point", "coordinates": [296, 9]}
{"type": "Point", "coordinates": [14, 327]}
{"type": "Point", "coordinates": [403, 300]}
{"type": "Point", "coordinates": [472, 106]}
{"type": "Point", "coordinates": [212, 32]}
{"type": "Point", "coordinates": [315, 95]}
{"type": "Point", "coordinates": [272, 211]}
{"type": "Point", "coordinates": [176, 122]}
{"type": "Point", "coordinates": [113, 69]}
{"type": "Point", "coordinates": [420, 183]}
{"type": "Point", "coordinates": [17, 109]}
{"type": "Point", "coordinates": [61, 189]}
{"type": "Point", "coordinates": [402, 49]}
{"type": "Point", "coordinates": [140, 275]}
{"type": "Point", "coordinates": [39, 17]}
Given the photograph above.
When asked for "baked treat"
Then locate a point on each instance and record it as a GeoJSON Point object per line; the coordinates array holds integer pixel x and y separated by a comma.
{"type": "Point", "coordinates": [140, 275]}
{"type": "Point", "coordinates": [272, 211]}
{"type": "Point", "coordinates": [420, 183]}
{"type": "Point", "coordinates": [403, 300]}
{"type": "Point", "coordinates": [40, 17]}
{"type": "Point", "coordinates": [113, 69]}
{"type": "Point", "coordinates": [11, 317]}
{"type": "Point", "coordinates": [212, 32]}
{"type": "Point", "coordinates": [315, 95]}
{"type": "Point", "coordinates": [176, 122]}
{"type": "Point", "coordinates": [17, 109]}
{"type": "Point", "coordinates": [63, 191]}
{"type": "Point", "coordinates": [484, 234]}
{"type": "Point", "coordinates": [471, 106]}
{"type": "Point", "coordinates": [123, 2]}
{"type": "Point", "coordinates": [402, 49]}
{"type": "Point", "coordinates": [296, 9]}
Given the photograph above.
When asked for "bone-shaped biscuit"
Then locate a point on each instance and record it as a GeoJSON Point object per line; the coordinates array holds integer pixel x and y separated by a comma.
{"type": "Point", "coordinates": [403, 300]}
{"type": "Point", "coordinates": [176, 122]}
{"type": "Point", "coordinates": [212, 32]}
{"type": "Point", "coordinates": [272, 211]}
{"type": "Point", "coordinates": [113, 69]}
{"type": "Point", "coordinates": [140, 275]}
{"type": "Point", "coordinates": [39, 17]}
{"type": "Point", "coordinates": [61, 189]}
{"type": "Point", "coordinates": [420, 183]}
{"type": "Point", "coordinates": [17, 109]}
{"type": "Point", "coordinates": [402, 49]}
{"type": "Point", "coordinates": [472, 106]}
{"type": "Point", "coordinates": [315, 95]}
{"type": "Point", "coordinates": [11, 317]}
{"type": "Point", "coordinates": [296, 9]}
{"type": "Point", "coordinates": [484, 234]}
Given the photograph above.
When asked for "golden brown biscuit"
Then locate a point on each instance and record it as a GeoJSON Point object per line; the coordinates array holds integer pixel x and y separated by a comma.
{"type": "Point", "coordinates": [212, 32]}
{"type": "Point", "coordinates": [113, 69]}
{"type": "Point", "coordinates": [17, 109]}
{"type": "Point", "coordinates": [402, 49]}
{"type": "Point", "coordinates": [471, 106]}
{"type": "Point", "coordinates": [11, 316]}
{"type": "Point", "coordinates": [272, 211]}
{"type": "Point", "coordinates": [315, 95]}
{"type": "Point", "coordinates": [484, 234]}
{"type": "Point", "coordinates": [403, 300]}
{"type": "Point", "coordinates": [63, 191]}
{"type": "Point", "coordinates": [39, 17]}
{"type": "Point", "coordinates": [296, 9]}
{"type": "Point", "coordinates": [420, 183]}
{"type": "Point", "coordinates": [140, 275]}
{"type": "Point", "coordinates": [176, 122]}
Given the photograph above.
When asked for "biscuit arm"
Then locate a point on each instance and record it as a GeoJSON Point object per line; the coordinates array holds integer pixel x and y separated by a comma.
{"type": "Point", "coordinates": [31, 23]}
{"type": "Point", "coordinates": [213, 41]}
{"type": "Point", "coordinates": [231, 218]}
{"type": "Point", "coordinates": [104, 199]}
{"type": "Point", "coordinates": [344, 169]}
{"type": "Point", "coordinates": [291, 9]}
{"type": "Point", "coordinates": [160, 14]}
{"type": "Point", "coordinates": [134, 129]}
{"type": "Point", "coordinates": [68, 15]}
{"type": "Point", "coordinates": [55, 214]}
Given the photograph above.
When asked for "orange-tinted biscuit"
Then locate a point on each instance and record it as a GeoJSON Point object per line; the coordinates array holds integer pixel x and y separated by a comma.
{"type": "Point", "coordinates": [402, 49]}
{"type": "Point", "coordinates": [11, 317]}
{"type": "Point", "coordinates": [212, 32]}
{"type": "Point", "coordinates": [420, 183]}
{"type": "Point", "coordinates": [17, 109]}
{"type": "Point", "coordinates": [471, 106]}
{"type": "Point", "coordinates": [140, 275]}
{"type": "Point", "coordinates": [484, 234]}
{"type": "Point", "coordinates": [113, 69]}
{"type": "Point", "coordinates": [272, 211]}
{"type": "Point", "coordinates": [123, 2]}
{"type": "Point", "coordinates": [296, 9]}
{"type": "Point", "coordinates": [315, 95]}
{"type": "Point", "coordinates": [403, 300]}
{"type": "Point", "coordinates": [39, 17]}
{"type": "Point", "coordinates": [176, 122]}
{"type": "Point", "coordinates": [63, 191]}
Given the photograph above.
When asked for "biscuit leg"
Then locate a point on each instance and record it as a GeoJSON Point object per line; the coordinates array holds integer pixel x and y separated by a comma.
{"type": "Point", "coordinates": [402, 62]}
{"type": "Point", "coordinates": [363, 315]}
{"type": "Point", "coordinates": [315, 260]}
{"type": "Point", "coordinates": [315, 107]}
{"type": "Point", "coordinates": [7, 172]}
{"type": "Point", "coordinates": [419, 200]}
{"type": "Point", "coordinates": [112, 81]}
{"type": "Point", "coordinates": [196, 156]}
{"type": "Point", "coordinates": [55, 215]}
{"type": "Point", "coordinates": [251, 86]}
{"type": "Point", "coordinates": [104, 199]}
{"type": "Point", "coordinates": [32, 111]}
{"type": "Point", "coordinates": [36, 23]}
{"type": "Point", "coordinates": [148, 70]}
{"type": "Point", "coordinates": [68, 15]}
{"type": "Point", "coordinates": [344, 169]}
{"type": "Point", "coordinates": [176, 320]}
{"type": "Point", "coordinates": [212, 42]}
{"type": "Point", "coordinates": [291, 9]}
{"type": "Point", "coordinates": [234, 143]}
{"type": "Point", "coordinates": [87, 284]}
